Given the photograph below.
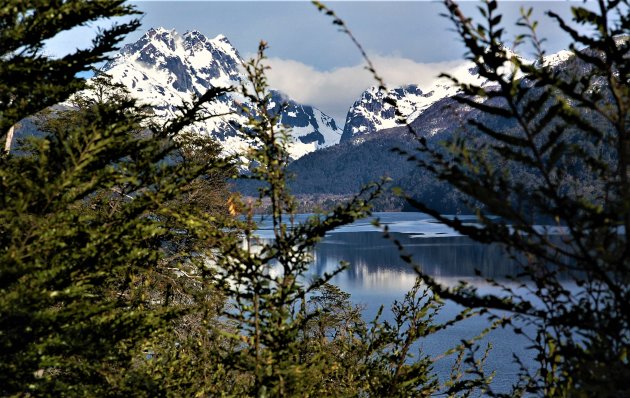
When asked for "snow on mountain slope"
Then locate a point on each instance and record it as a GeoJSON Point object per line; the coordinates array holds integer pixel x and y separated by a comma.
{"type": "Point", "coordinates": [557, 58]}
{"type": "Point", "coordinates": [372, 113]}
{"type": "Point", "coordinates": [164, 68]}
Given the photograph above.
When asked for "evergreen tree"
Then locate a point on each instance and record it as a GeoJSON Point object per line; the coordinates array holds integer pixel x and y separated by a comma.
{"type": "Point", "coordinates": [31, 80]}
{"type": "Point", "coordinates": [572, 139]}
{"type": "Point", "coordinates": [92, 217]}
{"type": "Point", "coordinates": [294, 333]}
{"type": "Point", "coordinates": [123, 271]}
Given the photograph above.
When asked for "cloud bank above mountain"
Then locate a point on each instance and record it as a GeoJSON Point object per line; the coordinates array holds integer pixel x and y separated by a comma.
{"type": "Point", "coordinates": [334, 91]}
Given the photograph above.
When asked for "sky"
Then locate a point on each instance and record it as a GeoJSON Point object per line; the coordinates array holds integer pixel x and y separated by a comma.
{"type": "Point", "coordinates": [311, 61]}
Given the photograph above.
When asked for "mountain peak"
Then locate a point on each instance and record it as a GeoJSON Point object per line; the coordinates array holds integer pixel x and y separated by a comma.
{"type": "Point", "coordinates": [161, 33]}
{"type": "Point", "coordinates": [159, 30]}
{"type": "Point", "coordinates": [194, 36]}
{"type": "Point", "coordinates": [164, 68]}
{"type": "Point", "coordinates": [221, 37]}
{"type": "Point", "coordinates": [374, 111]}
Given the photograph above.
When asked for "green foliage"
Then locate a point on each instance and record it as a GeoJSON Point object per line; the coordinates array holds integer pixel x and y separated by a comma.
{"type": "Point", "coordinates": [571, 136]}
{"type": "Point", "coordinates": [26, 25]}
{"type": "Point", "coordinates": [295, 334]}
{"type": "Point", "coordinates": [123, 271]}
{"type": "Point", "coordinates": [91, 247]}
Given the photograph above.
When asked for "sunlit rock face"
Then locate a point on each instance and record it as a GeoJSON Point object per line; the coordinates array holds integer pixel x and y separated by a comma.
{"type": "Point", "coordinates": [376, 109]}
{"type": "Point", "coordinates": [164, 68]}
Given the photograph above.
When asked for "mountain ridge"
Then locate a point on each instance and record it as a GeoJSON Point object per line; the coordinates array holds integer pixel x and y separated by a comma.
{"type": "Point", "coordinates": [363, 158]}
{"type": "Point", "coordinates": [164, 68]}
{"type": "Point", "coordinates": [374, 110]}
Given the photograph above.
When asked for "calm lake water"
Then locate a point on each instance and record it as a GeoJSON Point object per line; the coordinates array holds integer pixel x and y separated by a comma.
{"type": "Point", "coordinates": [377, 276]}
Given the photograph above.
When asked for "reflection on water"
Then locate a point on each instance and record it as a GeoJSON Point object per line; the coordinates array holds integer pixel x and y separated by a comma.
{"type": "Point", "coordinates": [377, 276]}
{"type": "Point", "coordinates": [454, 256]}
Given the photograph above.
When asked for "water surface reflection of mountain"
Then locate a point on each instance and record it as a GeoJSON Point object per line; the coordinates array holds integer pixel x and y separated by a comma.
{"type": "Point", "coordinates": [377, 276]}
{"type": "Point", "coordinates": [451, 256]}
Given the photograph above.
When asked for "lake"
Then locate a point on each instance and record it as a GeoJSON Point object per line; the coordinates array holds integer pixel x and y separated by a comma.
{"type": "Point", "coordinates": [377, 276]}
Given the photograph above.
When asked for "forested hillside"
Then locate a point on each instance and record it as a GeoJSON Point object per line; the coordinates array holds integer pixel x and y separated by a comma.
{"type": "Point", "coordinates": [344, 168]}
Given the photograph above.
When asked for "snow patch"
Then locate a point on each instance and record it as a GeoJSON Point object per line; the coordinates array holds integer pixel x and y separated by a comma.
{"type": "Point", "coordinates": [164, 68]}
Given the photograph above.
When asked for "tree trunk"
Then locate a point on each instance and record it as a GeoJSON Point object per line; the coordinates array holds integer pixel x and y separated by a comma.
{"type": "Point", "coordinates": [7, 144]}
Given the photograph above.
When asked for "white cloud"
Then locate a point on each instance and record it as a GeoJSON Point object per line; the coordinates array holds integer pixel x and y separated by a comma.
{"type": "Point", "coordinates": [336, 90]}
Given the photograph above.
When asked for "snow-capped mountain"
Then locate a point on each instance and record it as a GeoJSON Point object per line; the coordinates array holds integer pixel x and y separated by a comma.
{"type": "Point", "coordinates": [433, 114]}
{"type": "Point", "coordinates": [372, 113]}
{"type": "Point", "coordinates": [164, 68]}
{"type": "Point", "coordinates": [310, 125]}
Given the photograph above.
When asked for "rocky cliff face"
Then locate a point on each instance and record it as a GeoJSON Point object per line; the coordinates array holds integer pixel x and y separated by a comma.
{"type": "Point", "coordinates": [372, 113]}
{"type": "Point", "coordinates": [375, 110]}
{"type": "Point", "coordinates": [365, 153]}
{"type": "Point", "coordinates": [164, 68]}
